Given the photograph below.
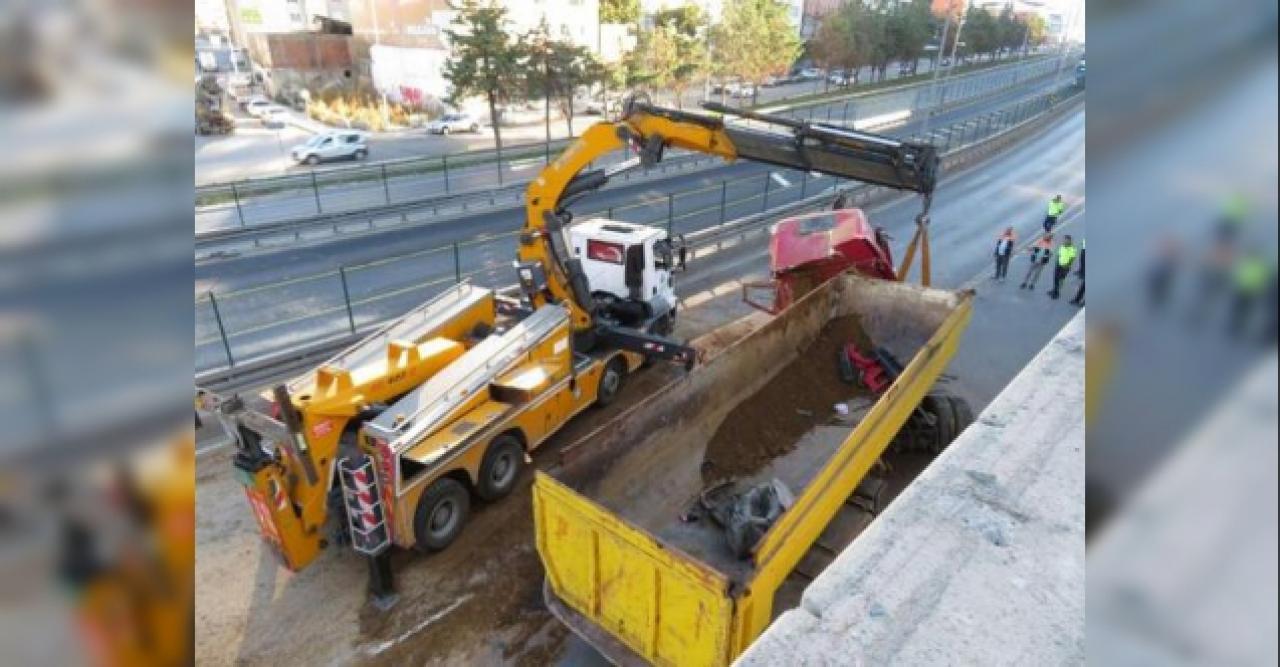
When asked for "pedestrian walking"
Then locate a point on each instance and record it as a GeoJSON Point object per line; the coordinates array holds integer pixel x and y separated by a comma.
{"type": "Point", "coordinates": [1041, 252]}
{"type": "Point", "coordinates": [1004, 251]}
{"type": "Point", "coordinates": [1066, 256]}
{"type": "Point", "coordinates": [1055, 210]}
{"type": "Point", "coordinates": [1078, 300]}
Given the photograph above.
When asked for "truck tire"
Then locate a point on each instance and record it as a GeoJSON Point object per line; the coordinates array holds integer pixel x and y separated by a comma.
{"type": "Point", "coordinates": [442, 512]}
{"type": "Point", "coordinates": [944, 418]}
{"type": "Point", "coordinates": [963, 412]}
{"type": "Point", "coordinates": [611, 380]}
{"type": "Point", "coordinates": [501, 467]}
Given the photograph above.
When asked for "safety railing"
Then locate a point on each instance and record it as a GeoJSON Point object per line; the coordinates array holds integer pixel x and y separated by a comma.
{"type": "Point", "coordinates": [251, 324]}
{"type": "Point", "coordinates": [484, 173]}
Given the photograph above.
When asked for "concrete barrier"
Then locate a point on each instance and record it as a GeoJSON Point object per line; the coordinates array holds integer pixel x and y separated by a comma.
{"type": "Point", "coordinates": [981, 561]}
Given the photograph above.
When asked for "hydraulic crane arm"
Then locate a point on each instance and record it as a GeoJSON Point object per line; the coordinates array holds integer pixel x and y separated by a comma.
{"type": "Point", "coordinates": [650, 129]}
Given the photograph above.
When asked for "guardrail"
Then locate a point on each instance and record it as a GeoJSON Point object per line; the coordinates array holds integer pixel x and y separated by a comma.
{"type": "Point", "coordinates": [316, 313]}
{"type": "Point", "coordinates": [239, 242]}
{"type": "Point", "coordinates": [315, 193]}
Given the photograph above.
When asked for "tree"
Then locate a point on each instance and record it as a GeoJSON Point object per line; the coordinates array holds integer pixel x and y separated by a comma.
{"type": "Point", "coordinates": [832, 43]}
{"type": "Point", "coordinates": [556, 70]}
{"type": "Point", "coordinates": [1036, 32]}
{"type": "Point", "coordinates": [620, 11]}
{"type": "Point", "coordinates": [981, 32]}
{"type": "Point", "coordinates": [755, 40]}
{"type": "Point", "coordinates": [483, 59]}
{"type": "Point", "coordinates": [685, 30]}
{"type": "Point", "coordinates": [651, 65]}
{"type": "Point", "coordinates": [912, 26]}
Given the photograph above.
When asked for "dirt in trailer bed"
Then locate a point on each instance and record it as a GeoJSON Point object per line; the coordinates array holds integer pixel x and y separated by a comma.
{"type": "Point", "coordinates": [801, 396]}
{"type": "Point", "coordinates": [477, 603]}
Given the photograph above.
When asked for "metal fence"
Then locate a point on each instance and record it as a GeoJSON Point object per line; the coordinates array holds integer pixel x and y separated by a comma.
{"type": "Point", "coordinates": [241, 326]}
{"type": "Point", "coordinates": [313, 193]}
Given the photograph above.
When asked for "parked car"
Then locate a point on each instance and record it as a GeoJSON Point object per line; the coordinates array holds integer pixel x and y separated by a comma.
{"type": "Point", "coordinates": [838, 79]}
{"type": "Point", "coordinates": [331, 146]}
{"type": "Point", "coordinates": [257, 106]}
{"type": "Point", "coordinates": [454, 122]}
{"type": "Point", "coordinates": [596, 107]}
{"type": "Point", "coordinates": [250, 99]}
{"type": "Point", "coordinates": [809, 74]}
{"type": "Point", "coordinates": [273, 115]}
{"type": "Point", "coordinates": [743, 91]}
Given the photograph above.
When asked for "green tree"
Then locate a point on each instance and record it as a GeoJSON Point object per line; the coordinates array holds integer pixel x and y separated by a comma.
{"type": "Point", "coordinates": [620, 11]}
{"type": "Point", "coordinates": [557, 70]}
{"type": "Point", "coordinates": [981, 32]}
{"type": "Point", "coordinates": [483, 60]}
{"type": "Point", "coordinates": [1037, 32]}
{"type": "Point", "coordinates": [651, 64]}
{"type": "Point", "coordinates": [912, 27]}
{"type": "Point", "coordinates": [685, 30]}
{"type": "Point", "coordinates": [755, 40]}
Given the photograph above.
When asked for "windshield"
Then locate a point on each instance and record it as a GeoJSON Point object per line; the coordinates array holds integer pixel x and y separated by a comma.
{"type": "Point", "coordinates": [452, 116]}
{"type": "Point", "coordinates": [316, 140]}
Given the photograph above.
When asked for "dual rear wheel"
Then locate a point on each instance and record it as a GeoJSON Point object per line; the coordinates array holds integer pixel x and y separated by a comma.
{"type": "Point", "coordinates": [445, 506]}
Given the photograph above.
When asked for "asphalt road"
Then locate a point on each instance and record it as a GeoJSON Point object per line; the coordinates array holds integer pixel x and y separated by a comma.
{"type": "Point", "coordinates": [330, 189]}
{"type": "Point", "coordinates": [272, 302]}
{"type": "Point", "coordinates": [255, 151]}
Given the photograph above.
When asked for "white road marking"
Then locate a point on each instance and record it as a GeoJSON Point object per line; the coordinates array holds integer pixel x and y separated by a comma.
{"type": "Point", "coordinates": [375, 649]}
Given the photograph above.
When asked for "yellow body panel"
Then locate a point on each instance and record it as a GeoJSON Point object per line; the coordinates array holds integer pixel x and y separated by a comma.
{"type": "Point", "coordinates": [676, 610]}
{"type": "Point", "coordinates": [540, 394]}
{"type": "Point", "coordinates": [664, 606]}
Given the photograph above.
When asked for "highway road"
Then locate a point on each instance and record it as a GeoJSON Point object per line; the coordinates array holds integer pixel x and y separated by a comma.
{"type": "Point", "coordinates": [481, 599]}
{"type": "Point", "coordinates": [280, 300]}
{"type": "Point", "coordinates": [262, 152]}
{"type": "Point", "coordinates": [342, 187]}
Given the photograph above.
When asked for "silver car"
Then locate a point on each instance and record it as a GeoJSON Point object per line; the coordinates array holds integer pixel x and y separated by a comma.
{"type": "Point", "coordinates": [454, 122]}
{"type": "Point", "coordinates": [331, 146]}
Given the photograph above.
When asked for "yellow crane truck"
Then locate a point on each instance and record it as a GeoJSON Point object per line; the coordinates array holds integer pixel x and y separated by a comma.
{"type": "Point", "coordinates": [441, 406]}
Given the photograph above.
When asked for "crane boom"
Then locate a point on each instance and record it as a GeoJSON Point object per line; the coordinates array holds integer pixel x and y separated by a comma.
{"type": "Point", "coordinates": [650, 129]}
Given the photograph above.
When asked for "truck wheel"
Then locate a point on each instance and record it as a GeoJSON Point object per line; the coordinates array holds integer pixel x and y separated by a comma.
{"type": "Point", "coordinates": [501, 467]}
{"type": "Point", "coordinates": [442, 512]}
{"type": "Point", "coordinates": [963, 412]}
{"type": "Point", "coordinates": [615, 372]}
{"type": "Point", "coordinates": [944, 419]}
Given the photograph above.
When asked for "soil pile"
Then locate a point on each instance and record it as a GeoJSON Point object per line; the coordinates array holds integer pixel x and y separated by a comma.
{"type": "Point", "coordinates": [801, 396]}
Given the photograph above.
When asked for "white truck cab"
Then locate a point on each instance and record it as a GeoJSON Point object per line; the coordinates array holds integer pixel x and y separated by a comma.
{"type": "Point", "coordinates": [628, 264]}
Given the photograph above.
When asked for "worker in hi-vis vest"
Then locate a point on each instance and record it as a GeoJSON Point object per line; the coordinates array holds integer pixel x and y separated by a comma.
{"type": "Point", "coordinates": [1065, 257]}
{"type": "Point", "coordinates": [1054, 212]}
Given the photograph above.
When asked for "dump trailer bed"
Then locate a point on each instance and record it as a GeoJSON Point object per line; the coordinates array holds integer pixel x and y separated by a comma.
{"type": "Point", "coordinates": [635, 561]}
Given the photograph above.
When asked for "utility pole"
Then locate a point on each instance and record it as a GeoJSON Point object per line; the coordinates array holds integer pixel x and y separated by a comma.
{"type": "Point", "coordinates": [937, 58]}
{"type": "Point", "coordinates": [377, 31]}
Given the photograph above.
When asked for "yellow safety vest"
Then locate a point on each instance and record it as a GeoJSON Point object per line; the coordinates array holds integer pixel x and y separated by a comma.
{"type": "Point", "coordinates": [1066, 255]}
{"type": "Point", "coordinates": [1056, 208]}
{"type": "Point", "coordinates": [1251, 274]}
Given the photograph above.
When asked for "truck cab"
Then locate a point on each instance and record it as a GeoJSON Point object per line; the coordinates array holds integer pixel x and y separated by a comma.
{"type": "Point", "coordinates": [629, 269]}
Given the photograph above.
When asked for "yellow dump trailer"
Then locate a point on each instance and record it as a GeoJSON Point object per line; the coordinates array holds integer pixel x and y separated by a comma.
{"type": "Point", "coordinates": [630, 566]}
